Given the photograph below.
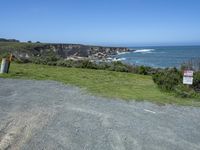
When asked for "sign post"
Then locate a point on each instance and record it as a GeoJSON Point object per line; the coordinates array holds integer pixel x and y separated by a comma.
{"type": "Point", "coordinates": [188, 77]}
{"type": "Point", "coordinates": [5, 64]}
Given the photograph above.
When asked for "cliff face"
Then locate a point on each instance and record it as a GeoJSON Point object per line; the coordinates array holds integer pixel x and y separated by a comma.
{"type": "Point", "coordinates": [67, 50]}
{"type": "Point", "coordinates": [27, 50]}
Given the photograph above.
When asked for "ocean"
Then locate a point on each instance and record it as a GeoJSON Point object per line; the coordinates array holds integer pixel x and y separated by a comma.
{"type": "Point", "coordinates": [160, 56]}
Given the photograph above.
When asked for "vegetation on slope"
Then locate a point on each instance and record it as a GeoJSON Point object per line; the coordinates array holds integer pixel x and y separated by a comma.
{"type": "Point", "coordinates": [171, 80]}
{"type": "Point", "coordinates": [168, 80]}
{"type": "Point", "coordinates": [110, 84]}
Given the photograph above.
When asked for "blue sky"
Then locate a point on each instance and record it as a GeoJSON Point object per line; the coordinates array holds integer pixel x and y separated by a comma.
{"type": "Point", "coordinates": [102, 22]}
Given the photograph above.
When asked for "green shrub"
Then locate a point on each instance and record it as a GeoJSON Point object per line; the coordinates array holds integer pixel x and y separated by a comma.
{"type": "Point", "coordinates": [167, 79]}
{"type": "Point", "coordinates": [118, 66]}
{"type": "Point", "coordinates": [86, 64]}
{"type": "Point", "coordinates": [196, 81]}
{"type": "Point", "coordinates": [5, 55]}
{"type": "Point", "coordinates": [103, 65]}
{"type": "Point", "coordinates": [142, 70]}
{"type": "Point", "coordinates": [45, 60]}
{"type": "Point", "coordinates": [184, 91]}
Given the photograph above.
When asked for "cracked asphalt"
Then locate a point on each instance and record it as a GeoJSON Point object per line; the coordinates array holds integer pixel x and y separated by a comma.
{"type": "Point", "coordinates": [36, 115]}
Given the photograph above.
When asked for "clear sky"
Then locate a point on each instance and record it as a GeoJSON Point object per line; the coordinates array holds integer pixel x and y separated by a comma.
{"type": "Point", "coordinates": [102, 22]}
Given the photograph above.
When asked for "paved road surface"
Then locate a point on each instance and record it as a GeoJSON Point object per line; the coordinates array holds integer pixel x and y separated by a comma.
{"type": "Point", "coordinates": [36, 115]}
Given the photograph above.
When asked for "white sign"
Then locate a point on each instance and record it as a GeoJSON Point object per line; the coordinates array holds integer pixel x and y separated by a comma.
{"type": "Point", "coordinates": [188, 73]}
{"type": "Point", "coordinates": [187, 80]}
{"type": "Point", "coordinates": [188, 77]}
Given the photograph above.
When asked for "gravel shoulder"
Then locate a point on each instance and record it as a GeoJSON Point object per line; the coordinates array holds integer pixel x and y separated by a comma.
{"type": "Point", "coordinates": [51, 115]}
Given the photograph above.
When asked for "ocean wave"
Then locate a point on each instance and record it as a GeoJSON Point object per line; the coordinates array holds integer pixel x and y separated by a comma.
{"type": "Point", "coordinates": [119, 59]}
{"type": "Point", "coordinates": [144, 51]}
{"type": "Point", "coordinates": [121, 53]}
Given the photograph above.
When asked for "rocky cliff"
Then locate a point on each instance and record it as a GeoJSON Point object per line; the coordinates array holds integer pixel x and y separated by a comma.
{"type": "Point", "coordinates": [28, 50]}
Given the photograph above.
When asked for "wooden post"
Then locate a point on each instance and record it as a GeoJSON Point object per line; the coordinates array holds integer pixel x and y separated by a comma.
{"type": "Point", "coordinates": [10, 58]}
{"type": "Point", "coordinates": [9, 62]}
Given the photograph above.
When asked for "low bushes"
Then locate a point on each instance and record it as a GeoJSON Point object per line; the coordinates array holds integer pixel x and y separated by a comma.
{"type": "Point", "coordinates": [45, 60]}
{"type": "Point", "coordinates": [196, 81]}
{"type": "Point", "coordinates": [167, 79]}
{"type": "Point", "coordinates": [170, 80]}
{"type": "Point", "coordinates": [112, 66]}
{"type": "Point", "coordinates": [185, 91]}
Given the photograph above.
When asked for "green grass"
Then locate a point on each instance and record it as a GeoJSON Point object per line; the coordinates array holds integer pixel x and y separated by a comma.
{"type": "Point", "coordinates": [7, 47]}
{"type": "Point", "coordinates": [109, 84]}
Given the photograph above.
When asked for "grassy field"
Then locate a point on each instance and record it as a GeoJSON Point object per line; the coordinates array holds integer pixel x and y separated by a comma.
{"type": "Point", "coordinates": [100, 82]}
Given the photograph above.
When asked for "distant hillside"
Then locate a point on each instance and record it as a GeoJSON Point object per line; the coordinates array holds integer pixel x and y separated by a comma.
{"type": "Point", "coordinates": [28, 50]}
{"type": "Point", "coordinates": [8, 40]}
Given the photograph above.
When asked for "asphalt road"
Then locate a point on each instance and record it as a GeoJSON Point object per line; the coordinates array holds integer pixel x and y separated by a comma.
{"type": "Point", "coordinates": [36, 115]}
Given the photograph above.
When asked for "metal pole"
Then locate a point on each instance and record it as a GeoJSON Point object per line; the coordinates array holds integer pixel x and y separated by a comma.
{"type": "Point", "coordinates": [4, 65]}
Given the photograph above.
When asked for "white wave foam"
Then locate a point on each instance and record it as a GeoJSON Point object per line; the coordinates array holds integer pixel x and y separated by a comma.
{"type": "Point", "coordinates": [122, 59]}
{"type": "Point", "coordinates": [144, 51]}
{"type": "Point", "coordinates": [121, 53]}
{"type": "Point", "coordinates": [119, 59]}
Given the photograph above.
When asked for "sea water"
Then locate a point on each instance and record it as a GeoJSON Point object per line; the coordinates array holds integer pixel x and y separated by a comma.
{"type": "Point", "coordinates": [160, 56]}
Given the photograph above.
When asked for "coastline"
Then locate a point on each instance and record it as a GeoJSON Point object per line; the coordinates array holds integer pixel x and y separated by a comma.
{"type": "Point", "coordinates": [28, 51]}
